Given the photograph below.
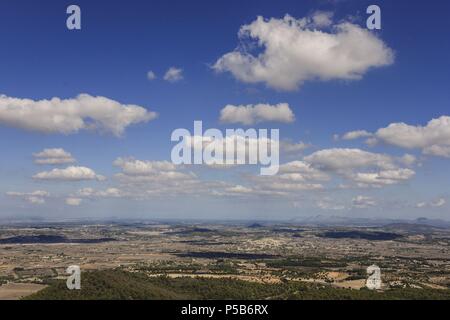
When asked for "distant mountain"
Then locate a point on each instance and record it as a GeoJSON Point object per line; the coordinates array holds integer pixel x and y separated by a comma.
{"type": "Point", "coordinates": [413, 227]}
{"type": "Point", "coordinates": [322, 220]}
{"type": "Point", "coordinates": [433, 222]}
{"type": "Point", "coordinates": [256, 225]}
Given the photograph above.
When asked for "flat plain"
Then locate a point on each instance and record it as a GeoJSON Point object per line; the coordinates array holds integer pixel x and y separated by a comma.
{"type": "Point", "coordinates": [410, 256]}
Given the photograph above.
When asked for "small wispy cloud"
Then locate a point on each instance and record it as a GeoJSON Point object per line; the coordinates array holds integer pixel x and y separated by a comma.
{"type": "Point", "coordinates": [151, 75]}
{"type": "Point", "coordinates": [173, 74]}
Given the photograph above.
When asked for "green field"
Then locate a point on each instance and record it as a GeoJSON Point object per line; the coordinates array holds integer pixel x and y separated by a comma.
{"type": "Point", "coordinates": [118, 284]}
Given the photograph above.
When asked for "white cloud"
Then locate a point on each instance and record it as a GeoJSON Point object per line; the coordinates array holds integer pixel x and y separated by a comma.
{"type": "Point", "coordinates": [71, 173]}
{"type": "Point", "coordinates": [387, 177]}
{"type": "Point", "coordinates": [298, 50]}
{"type": "Point", "coordinates": [156, 176]}
{"type": "Point", "coordinates": [363, 202]}
{"type": "Point", "coordinates": [53, 156]}
{"type": "Point", "coordinates": [290, 147]}
{"type": "Point", "coordinates": [408, 160]}
{"type": "Point", "coordinates": [238, 189]}
{"type": "Point", "coordinates": [131, 166]}
{"type": "Point", "coordinates": [164, 177]}
{"type": "Point", "coordinates": [143, 179]}
{"type": "Point", "coordinates": [173, 74]}
{"type": "Point", "coordinates": [438, 151]}
{"type": "Point", "coordinates": [306, 170]}
{"type": "Point", "coordinates": [343, 159]}
{"type": "Point", "coordinates": [291, 187]}
{"type": "Point", "coordinates": [243, 143]}
{"type": "Point", "coordinates": [292, 177]}
{"type": "Point", "coordinates": [75, 202]}
{"type": "Point", "coordinates": [36, 200]}
{"type": "Point", "coordinates": [35, 197]}
{"type": "Point", "coordinates": [432, 139]}
{"type": "Point", "coordinates": [68, 116]}
{"type": "Point", "coordinates": [321, 19]}
{"type": "Point", "coordinates": [108, 193]}
{"type": "Point", "coordinates": [365, 169]}
{"type": "Point", "coordinates": [151, 75]}
{"type": "Point", "coordinates": [251, 114]}
{"type": "Point", "coordinates": [438, 203]}
{"type": "Point", "coordinates": [352, 135]}
{"type": "Point", "coordinates": [421, 205]}
{"type": "Point", "coordinates": [37, 193]}
{"type": "Point", "coordinates": [371, 142]}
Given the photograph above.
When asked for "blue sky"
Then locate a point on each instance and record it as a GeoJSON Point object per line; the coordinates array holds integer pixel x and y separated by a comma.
{"type": "Point", "coordinates": [121, 41]}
